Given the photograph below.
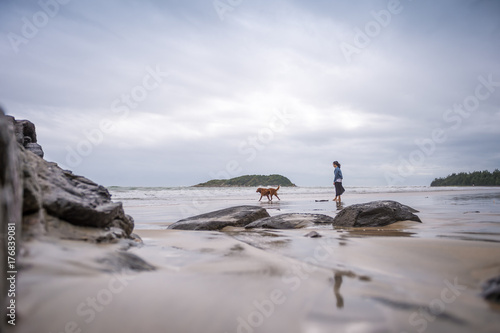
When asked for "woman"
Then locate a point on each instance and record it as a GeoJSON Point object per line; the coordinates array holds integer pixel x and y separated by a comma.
{"type": "Point", "coordinates": [337, 181]}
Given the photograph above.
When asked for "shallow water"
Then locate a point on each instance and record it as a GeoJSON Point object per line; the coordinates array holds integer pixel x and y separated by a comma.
{"type": "Point", "coordinates": [405, 277]}
{"type": "Point", "coordinates": [473, 209]}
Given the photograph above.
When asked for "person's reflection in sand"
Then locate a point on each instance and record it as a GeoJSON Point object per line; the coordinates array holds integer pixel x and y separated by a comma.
{"type": "Point", "coordinates": [336, 290]}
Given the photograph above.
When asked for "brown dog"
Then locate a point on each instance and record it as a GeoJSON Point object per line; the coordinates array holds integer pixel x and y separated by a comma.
{"type": "Point", "coordinates": [268, 191]}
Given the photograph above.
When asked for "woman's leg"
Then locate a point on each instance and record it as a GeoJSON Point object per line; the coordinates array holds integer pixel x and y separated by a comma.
{"type": "Point", "coordinates": [337, 192]}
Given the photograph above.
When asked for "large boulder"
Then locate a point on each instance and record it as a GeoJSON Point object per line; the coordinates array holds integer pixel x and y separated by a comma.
{"type": "Point", "coordinates": [374, 214]}
{"type": "Point", "coordinates": [290, 221]}
{"type": "Point", "coordinates": [52, 195]}
{"type": "Point", "coordinates": [39, 198]}
{"type": "Point", "coordinates": [238, 216]}
{"type": "Point", "coordinates": [49, 199]}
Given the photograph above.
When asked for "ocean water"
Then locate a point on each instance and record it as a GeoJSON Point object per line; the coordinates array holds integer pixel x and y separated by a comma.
{"type": "Point", "coordinates": [156, 207]}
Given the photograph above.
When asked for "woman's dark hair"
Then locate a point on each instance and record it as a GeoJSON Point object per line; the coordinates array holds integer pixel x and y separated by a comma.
{"type": "Point", "coordinates": [336, 163]}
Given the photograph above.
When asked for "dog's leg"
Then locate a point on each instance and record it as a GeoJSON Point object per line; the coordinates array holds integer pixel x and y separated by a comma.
{"type": "Point", "coordinates": [277, 197]}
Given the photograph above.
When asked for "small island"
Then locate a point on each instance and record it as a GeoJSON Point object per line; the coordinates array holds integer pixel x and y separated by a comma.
{"type": "Point", "coordinates": [249, 180]}
{"type": "Point", "coordinates": [476, 178]}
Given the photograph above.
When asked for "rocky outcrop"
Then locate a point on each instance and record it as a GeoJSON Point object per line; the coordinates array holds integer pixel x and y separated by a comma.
{"type": "Point", "coordinates": [25, 132]}
{"type": "Point", "coordinates": [55, 201]}
{"type": "Point", "coordinates": [374, 214]}
{"type": "Point", "coordinates": [38, 198]}
{"type": "Point", "coordinates": [238, 216]}
{"type": "Point", "coordinates": [53, 197]}
{"type": "Point", "coordinates": [290, 221]}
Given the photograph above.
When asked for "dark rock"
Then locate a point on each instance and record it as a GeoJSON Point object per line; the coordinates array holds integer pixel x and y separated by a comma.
{"type": "Point", "coordinates": [38, 198]}
{"type": "Point", "coordinates": [119, 261]}
{"type": "Point", "coordinates": [58, 228]}
{"type": "Point", "coordinates": [312, 234]}
{"type": "Point", "coordinates": [290, 221]}
{"type": "Point", "coordinates": [50, 197]}
{"type": "Point", "coordinates": [25, 132]}
{"type": "Point", "coordinates": [238, 216]}
{"type": "Point", "coordinates": [35, 148]}
{"type": "Point", "coordinates": [491, 290]}
{"type": "Point", "coordinates": [374, 214]}
{"type": "Point", "coordinates": [68, 197]}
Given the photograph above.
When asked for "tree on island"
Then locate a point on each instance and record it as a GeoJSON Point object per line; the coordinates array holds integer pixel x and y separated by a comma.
{"type": "Point", "coordinates": [249, 180]}
{"type": "Point", "coordinates": [476, 178]}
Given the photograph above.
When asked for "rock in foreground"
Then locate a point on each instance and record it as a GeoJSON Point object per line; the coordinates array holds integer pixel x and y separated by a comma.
{"type": "Point", "coordinates": [290, 221]}
{"type": "Point", "coordinates": [54, 197]}
{"type": "Point", "coordinates": [374, 214]}
{"type": "Point", "coordinates": [51, 200]}
{"type": "Point", "coordinates": [238, 216]}
{"type": "Point", "coordinates": [491, 290]}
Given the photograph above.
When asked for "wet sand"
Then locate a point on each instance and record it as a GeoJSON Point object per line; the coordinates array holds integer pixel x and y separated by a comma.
{"type": "Point", "coordinates": [406, 277]}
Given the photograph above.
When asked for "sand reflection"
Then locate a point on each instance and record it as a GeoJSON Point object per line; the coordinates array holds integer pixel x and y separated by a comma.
{"type": "Point", "coordinates": [336, 290]}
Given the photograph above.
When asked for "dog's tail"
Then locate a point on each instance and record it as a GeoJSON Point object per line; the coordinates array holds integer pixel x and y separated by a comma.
{"type": "Point", "coordinates": [278, 188]}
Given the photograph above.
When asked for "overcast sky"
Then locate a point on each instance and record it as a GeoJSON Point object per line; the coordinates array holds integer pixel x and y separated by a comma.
{"type": "Point", "coordinates": [171, 92]}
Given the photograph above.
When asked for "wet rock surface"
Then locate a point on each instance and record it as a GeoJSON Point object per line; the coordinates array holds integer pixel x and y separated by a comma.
{"type": "Point", "coordinates": [50, 199]}
{"type": "Point", "coordinates": [52, 194]}
{"type": "Point", "coordinates": [374, 214]}
{"type": "Point", "coordinates": [290, 221]}
{"type": "Point", "coordinates": [120, 260]}
{"type": "Point", "coordinates": [238, 216]}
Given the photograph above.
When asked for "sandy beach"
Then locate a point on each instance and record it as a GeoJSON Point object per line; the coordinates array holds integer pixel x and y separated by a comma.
{"type": "Point", "coordinates": [405, 277]}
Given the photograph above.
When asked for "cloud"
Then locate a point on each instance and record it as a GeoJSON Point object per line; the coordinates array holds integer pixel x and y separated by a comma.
{"type": "Point", "coordinates": [228, 79]}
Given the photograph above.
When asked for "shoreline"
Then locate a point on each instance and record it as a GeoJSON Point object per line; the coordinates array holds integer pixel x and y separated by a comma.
{"type": "Point", "coordinates": [153, 209]}
{"type": "Point", "coordinates": [372, 279]}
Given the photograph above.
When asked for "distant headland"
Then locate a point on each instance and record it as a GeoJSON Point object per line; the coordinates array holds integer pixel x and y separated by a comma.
{"type": "Point", "coordinates": [249, 180]}
{"type": "Point", "coordinates": [476, 178]}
